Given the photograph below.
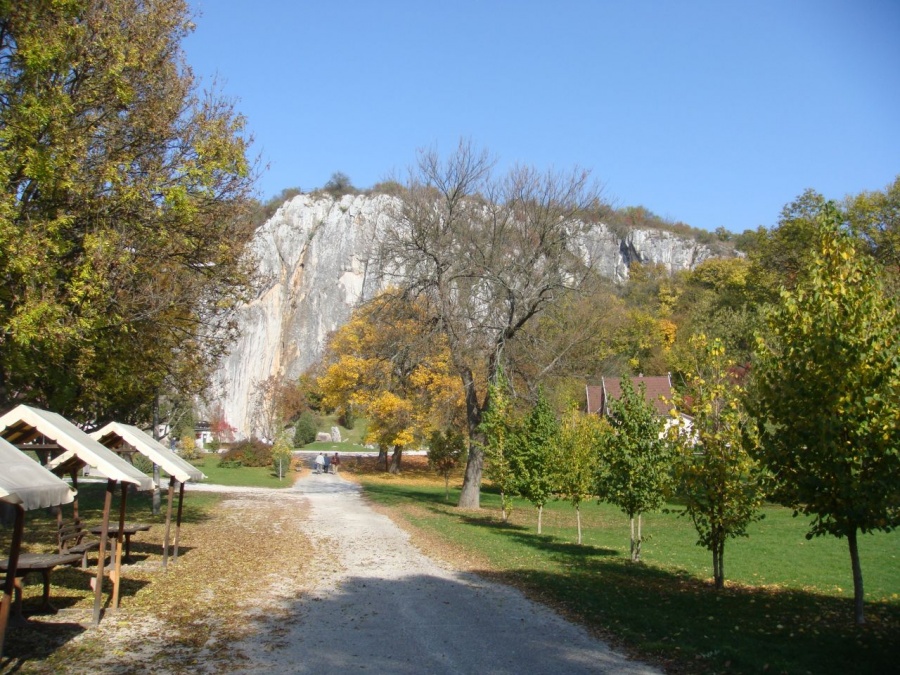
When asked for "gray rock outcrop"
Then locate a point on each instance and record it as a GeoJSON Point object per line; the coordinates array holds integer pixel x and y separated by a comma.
{"type": "Point", "coordinates": [315, 262]}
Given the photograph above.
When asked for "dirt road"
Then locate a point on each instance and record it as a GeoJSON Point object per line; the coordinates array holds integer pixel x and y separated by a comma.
{"type": "Point", "coordinates": [374, 603]}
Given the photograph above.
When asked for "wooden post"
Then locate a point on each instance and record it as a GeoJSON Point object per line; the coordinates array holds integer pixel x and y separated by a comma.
{"type": "Point", "coordinates": [9, 585]}
{"type": "Point", "coordinates": [74, 475]}
{"type": "Point", "coordinates": [117, 573]}
{"type": "Point", "coordinates": [101, 555]}
{"type": "Point", "coordinates": [165, 561]}
{"type": "Point", "coordinates": [178, 522]}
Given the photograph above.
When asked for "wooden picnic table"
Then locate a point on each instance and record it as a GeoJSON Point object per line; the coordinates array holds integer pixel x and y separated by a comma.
{"type": "Point", "coordinates": [38, 562]}
{"type": "Point", "coordinates": [129, 529]}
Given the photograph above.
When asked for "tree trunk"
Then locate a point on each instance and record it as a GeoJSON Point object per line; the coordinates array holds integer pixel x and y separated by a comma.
{"type": "Point", "coordinates": [718, 549]}
{"type": "Point", "coordinates": [157, 498]}
{"type": "Point", "coordinates": [857, 579]}
{"type": "Point", "coordinates": [636, 540]}
{"type": "Point", "coordinates": [578, 521]}
{"type": "Point", "coordinates": [631, 521]}
{"type": "Point", "coordinates": [470, 495]}
{"type": "Point", "coordinates": [640, 540]}
{"type": "Point", "coordinates": [395, 459]}
{"type": "Point", "coordinates": [446, 487]}
{"type": "Point", "coordinates": [504, 513]}
{"type": "Point", "coordinates": [540, 517]}
{"type": "Point", "coordinates": [382, 458]}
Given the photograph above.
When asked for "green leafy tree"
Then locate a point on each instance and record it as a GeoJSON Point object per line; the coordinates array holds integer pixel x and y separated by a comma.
{"type": "Point", "coordinates": [876, 216]}
{"type": "Point", "coordinates": [780, 253]}
{"type": "Point", "coordinates": [634, 471]}
{"type": "Point", "coordinates": [827, 388]}
{"type": "Point", "coordinates": [497, 428]}
{"type": "Point", "coordinates": [445, 452]}
{"type": "Point", "coordinates": [716, 474]}
{"type": "Point", "coordinates": [282, 454]}
{"type": "Point", "coordinates": [534, 453]}
{"type": "Point", "coordinates": [124, 210]}
{"type": "Point", "coordinates": [576, 460]}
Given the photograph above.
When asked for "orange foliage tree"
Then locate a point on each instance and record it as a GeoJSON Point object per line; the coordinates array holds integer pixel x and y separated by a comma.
{"type": "Point", "coordinates": [388, 366]}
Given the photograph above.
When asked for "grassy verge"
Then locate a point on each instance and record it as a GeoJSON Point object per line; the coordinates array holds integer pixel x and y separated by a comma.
{"type": "Point", "coordinates": [786, 608]}
{"type": "Point", "coordinates": [245, 476]}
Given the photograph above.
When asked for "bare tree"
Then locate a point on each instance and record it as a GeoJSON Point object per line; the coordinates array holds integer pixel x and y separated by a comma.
{"type": "Point", "coordinates": [485, 256]}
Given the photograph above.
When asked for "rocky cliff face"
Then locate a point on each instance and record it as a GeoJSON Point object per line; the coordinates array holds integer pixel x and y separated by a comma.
{"type": "Point", "coordinates": [314, 257]}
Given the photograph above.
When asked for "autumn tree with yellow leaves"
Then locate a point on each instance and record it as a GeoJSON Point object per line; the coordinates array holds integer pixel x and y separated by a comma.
{"type": "Point", "coordinates": [125, 196]}
{"type": "Point", "coordinates": [384, 364]}
{"type": "Point", "coordinates": [827, 383]}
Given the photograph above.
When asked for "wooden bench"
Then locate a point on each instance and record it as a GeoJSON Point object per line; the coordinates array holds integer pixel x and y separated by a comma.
{"type": "Point", "coordinates": [74, 538]}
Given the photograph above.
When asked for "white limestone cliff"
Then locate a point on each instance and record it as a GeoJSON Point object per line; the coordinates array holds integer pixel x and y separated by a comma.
{"type": "Point", "coordinates": [314, 257]}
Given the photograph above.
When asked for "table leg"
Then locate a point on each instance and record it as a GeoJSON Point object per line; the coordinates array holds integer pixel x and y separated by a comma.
{"type": "Point", "coordinates": [45, 605]}
{"type": "Point", "coordinates": [17, 618]}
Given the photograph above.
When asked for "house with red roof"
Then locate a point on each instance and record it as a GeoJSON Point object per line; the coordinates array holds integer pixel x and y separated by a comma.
{"type": "Point", "coordinates": [658, 390]}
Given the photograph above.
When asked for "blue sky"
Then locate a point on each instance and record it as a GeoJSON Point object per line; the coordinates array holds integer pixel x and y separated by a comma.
{"type": "Point", "coordinates": [709, 113]}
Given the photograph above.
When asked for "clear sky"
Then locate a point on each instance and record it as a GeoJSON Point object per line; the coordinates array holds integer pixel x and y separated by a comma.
{"type": "Point", "coordinates": [712, 113]}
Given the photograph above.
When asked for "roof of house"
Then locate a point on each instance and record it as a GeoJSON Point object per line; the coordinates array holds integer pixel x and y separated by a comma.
{"type": "Point", "coordinates": [610, 388]}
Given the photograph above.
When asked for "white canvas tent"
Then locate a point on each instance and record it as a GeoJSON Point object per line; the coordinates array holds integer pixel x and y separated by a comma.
{"type": "Point", "coordinates": [125, 438]}
{"type": "Point", "coordinates": [64, 448]}
{"type": "Point", "coordinates": [26, 485]}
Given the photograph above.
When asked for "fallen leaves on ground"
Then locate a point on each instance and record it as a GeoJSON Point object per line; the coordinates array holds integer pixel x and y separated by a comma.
{"type": "Point", "coordinates": [245, 562]}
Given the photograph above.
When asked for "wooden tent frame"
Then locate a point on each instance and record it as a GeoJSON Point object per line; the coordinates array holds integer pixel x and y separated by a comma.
{"type": "Point", "coordinates": [124, 438]}
{"type": "Point", "coordinates": [54, 492]}
{"type": "Point", "coordinates": [70, 449]}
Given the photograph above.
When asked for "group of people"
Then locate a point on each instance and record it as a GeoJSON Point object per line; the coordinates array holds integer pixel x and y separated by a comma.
{"type": "Point", "coordinates": [326, 464]}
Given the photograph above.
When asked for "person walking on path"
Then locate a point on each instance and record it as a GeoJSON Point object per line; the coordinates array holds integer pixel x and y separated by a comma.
{"type": "Point", "coordinates": [320, 462]}
{"type": "Point", "coordinates": [335, 463]}
{"type": "Point", "coordinates": [327, 461]}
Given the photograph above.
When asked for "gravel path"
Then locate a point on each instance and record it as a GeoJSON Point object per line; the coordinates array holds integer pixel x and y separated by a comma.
{"type": "Point", "coordinates": [377, 604]}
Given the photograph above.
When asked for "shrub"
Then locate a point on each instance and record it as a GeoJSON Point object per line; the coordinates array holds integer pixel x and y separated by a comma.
{"type": "Point", "coordinates": [305, 429]}
{"type": "Point", "coordinates": [189, 449]}
{"type": "Point", "coordinates": [339, 185]}
{"type": "Point", "coordinates": [347, 418]}
{"type": "Point", "coordinates": [247, 453]}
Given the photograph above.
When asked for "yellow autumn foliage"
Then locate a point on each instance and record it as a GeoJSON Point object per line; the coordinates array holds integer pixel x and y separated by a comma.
{"type": "Point", "coordinates": [385, 364]}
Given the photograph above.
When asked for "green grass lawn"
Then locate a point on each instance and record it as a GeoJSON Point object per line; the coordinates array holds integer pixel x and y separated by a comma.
{"type": "Point", "coordinates": [787, 606]}
{"type": "Point", "coordinates": [245, 476]}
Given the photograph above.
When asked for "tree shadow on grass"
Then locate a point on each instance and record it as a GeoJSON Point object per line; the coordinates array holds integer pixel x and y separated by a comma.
{"type": "Point", "coordinates": [390, 495]}
{"type": "Point", "coordinates": [35, 641]}
{"type": "Point", "coordinates": [524, 534]}
{"type": "Point", "coordinates": [685, 622]}
{"type": "Point", "coordinates": [560, 547]}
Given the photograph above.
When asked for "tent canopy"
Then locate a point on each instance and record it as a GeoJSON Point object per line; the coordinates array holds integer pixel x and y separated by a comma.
{"type": "Point", "coordinates": [24, 423]}
{"type": "Point", "coordinates": [23, 481]}
{"type": "Point", "coordinates": [114, 435]}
